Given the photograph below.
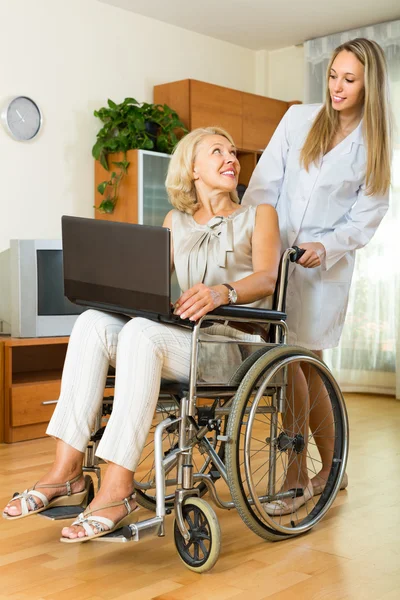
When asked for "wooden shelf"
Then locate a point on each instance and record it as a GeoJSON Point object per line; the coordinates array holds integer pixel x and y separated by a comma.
{"type": "Point", "coordinates": [39, 377]}
{"type": "Point", "coordinates": [42, 341]}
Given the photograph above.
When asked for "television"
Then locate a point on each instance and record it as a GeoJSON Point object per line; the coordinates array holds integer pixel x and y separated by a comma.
{"type": "Point", "coordinates": [32, 301]}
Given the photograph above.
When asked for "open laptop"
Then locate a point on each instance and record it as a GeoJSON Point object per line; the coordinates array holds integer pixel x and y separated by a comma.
{"type": "Point", "coordinates": [118, 267]}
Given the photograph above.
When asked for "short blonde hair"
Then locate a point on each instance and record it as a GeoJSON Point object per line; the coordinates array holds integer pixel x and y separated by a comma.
{"type": "Point", "coordinates": [179, 182]}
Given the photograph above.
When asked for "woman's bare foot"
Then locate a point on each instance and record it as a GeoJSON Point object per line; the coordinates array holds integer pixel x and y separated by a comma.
{"type": "Point", "coordinates": [103, 497]}
{"type": "Point", "coordinates": [319, 482]}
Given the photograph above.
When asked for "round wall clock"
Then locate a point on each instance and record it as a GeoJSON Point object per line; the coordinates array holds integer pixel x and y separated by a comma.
{"type": "Point", "coordinates": [22, 118]}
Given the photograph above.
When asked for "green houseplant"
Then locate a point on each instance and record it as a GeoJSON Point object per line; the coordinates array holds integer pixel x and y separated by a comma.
{"type": "Point", "coordinates": [127, 126]}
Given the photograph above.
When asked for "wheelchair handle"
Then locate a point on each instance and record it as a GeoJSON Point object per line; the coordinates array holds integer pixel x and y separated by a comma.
{"type": "Point", "coordinates": [298, 253]}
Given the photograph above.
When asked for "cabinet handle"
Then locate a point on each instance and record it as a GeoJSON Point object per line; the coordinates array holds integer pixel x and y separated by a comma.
{"type": "Point", "coordinates": [49, 402]}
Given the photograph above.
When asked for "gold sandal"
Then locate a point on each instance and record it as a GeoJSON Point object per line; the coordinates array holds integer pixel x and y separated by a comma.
{"type": "Point", "coordinates": [29, 504]}
{"type": "Point", "coordinates": [96, 526]}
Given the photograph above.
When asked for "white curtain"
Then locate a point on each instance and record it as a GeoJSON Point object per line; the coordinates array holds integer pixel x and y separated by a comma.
{"type": "Point", "coordinates": [368, 357]}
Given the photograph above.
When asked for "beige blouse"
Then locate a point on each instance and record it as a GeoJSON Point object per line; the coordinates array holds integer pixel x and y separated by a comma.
{"type": "Point", "coordinates": [219, 251]}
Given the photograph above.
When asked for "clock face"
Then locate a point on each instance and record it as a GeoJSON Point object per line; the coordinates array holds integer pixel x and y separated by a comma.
{"type": "Point", "coordinates": [23, 118]}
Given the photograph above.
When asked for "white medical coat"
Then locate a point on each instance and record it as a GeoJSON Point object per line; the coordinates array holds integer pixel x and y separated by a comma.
{"type": "Point", "coordinates": [327, 204]}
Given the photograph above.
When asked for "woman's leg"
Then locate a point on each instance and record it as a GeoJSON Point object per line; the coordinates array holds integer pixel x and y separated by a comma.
{"type": "Point", "coordinates": [91, 349]}
{"type": "Point", "coordinates": [322, 425]}
{"type": "Point", "coordinates": [147, 351]}
{"type": "Point", "coordinates": [295, 422]}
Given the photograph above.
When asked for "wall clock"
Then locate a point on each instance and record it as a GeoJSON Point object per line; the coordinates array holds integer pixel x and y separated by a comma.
{"type": "Point", "coordinates": [22, 118]}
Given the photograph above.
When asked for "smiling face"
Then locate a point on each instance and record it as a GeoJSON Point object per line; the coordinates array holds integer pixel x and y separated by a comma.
{"type": "Point", "coordinates": [216, 167]}
{"type": "Point", "coordinates": [346, 82]}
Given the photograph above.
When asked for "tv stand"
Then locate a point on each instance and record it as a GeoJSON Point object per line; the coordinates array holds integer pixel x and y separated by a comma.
{"type": "Point", "coordinates": [31, 369]}
{"type": "Point", "coordinates": [30, 379]}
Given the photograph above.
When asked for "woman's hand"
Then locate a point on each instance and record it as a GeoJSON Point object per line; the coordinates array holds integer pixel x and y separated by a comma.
{"type": "Point", "coordinates": [199, 300]}
{"type": "Point", "coordinates": [313, 256]}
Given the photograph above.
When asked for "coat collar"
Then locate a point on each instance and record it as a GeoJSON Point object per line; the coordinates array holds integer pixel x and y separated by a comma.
{"type": "Point", "coordinates": [345, 146]}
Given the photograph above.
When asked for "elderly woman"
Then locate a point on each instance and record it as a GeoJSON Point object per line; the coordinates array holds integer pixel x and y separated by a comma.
{"type": "Point", "coordinates": [223, 254]}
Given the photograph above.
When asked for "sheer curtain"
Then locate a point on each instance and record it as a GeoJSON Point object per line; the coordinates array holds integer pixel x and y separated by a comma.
{"type": "Point", "coordinates": [368, 357]}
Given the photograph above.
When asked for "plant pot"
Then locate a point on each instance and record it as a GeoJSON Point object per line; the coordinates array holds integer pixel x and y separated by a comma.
{"type": "Point", "coordinates": [152, 131]}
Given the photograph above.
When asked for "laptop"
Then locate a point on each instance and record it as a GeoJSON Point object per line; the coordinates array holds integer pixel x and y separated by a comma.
{"type": "Point", "coordinates": [118, 267]}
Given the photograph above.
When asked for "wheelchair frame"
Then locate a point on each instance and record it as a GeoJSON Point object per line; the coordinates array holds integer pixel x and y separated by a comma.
{"type": "Point", "coordinates": [190, 434]}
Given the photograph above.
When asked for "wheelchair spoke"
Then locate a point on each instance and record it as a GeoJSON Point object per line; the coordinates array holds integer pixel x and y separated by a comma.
{"type": "Point", "coordinates": [278, 452]}
{"type": "Point", "coordinates": [189, 520]}
{"type": "Point", "coordinates": [196, 551]}
{"type": "Point", "coordinates": [203, 547]}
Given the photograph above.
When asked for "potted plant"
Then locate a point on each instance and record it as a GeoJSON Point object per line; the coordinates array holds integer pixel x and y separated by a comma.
{"type": "Point", "coordinates": [127, 126]}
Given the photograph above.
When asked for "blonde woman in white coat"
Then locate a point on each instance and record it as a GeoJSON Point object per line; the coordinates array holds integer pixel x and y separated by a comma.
{"type": "Point", "coordinates": [327, 172]}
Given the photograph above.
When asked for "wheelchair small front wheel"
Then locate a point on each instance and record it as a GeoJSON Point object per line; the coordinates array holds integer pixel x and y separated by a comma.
{"type": "Point", "coordinates": [202, 550]}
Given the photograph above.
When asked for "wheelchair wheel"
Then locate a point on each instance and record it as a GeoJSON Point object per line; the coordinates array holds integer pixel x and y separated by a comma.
{"type": "Point", "coordinates": [278, 438]}
{"type": "Point", "coordinates": [144, 481]}
{"type": "Point", "coordinates": [201, 552]}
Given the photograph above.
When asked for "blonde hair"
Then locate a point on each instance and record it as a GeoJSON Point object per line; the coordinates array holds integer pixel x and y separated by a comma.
{"type": "Point", "coordinates": [179, 182]}
{"type": "Point", "coordinates": [377, 121]}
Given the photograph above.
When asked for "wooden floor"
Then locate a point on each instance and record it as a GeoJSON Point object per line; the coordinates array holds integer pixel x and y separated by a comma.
{"type": "Point", "coordinates": [354, 553]}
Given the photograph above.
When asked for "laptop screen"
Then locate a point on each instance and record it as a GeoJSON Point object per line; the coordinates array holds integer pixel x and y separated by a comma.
{"type": "Point", "coordinates": [120, 267]}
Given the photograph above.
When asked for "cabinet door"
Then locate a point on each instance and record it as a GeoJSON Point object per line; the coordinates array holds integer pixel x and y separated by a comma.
{"type": "Point", "coordinates": [153, 197]}
{"type": "Point", "coordinates": [260, 119]}
{"type": "Point", "coordinates": [215, 105]}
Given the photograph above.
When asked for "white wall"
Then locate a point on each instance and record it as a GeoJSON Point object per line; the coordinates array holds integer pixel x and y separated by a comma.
{"type": "Point", "coordinates": [70, 56]}
{"type": "Point", "coordinates": [285, 74]}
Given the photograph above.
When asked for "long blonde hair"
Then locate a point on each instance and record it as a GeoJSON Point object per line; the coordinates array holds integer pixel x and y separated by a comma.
{"type": "Point", "coordinates": [179, 182]}
{"type": "Point", "coordinates": [377, 121]}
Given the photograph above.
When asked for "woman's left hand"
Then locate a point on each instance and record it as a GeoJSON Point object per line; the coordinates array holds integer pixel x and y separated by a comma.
{"type": "Point", "coordinates": [313, 255]}
{"type": "Point", "coordinates": [198, 301]}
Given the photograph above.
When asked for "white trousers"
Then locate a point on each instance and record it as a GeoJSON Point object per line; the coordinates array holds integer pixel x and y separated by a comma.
{"type": "Point", "coordinates": [143, 352]}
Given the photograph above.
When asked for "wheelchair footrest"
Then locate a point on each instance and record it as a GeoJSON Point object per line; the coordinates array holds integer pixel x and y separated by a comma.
{"type": "Point", "coordinates": [114, 536]}
{"type": "Point", "coordinates": [62, 512]}
{"type": "Point", "coordinates": [134, 533]}
{"type": "Point", "coordinates": [292, 493]}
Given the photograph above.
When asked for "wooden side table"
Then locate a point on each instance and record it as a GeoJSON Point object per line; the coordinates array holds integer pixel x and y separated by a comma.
{"type": "Point", "coordinates": [30, 378]}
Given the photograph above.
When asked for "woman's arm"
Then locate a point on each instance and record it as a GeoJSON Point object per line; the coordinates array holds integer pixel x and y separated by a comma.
{"type": "Point", "coordinates": [361, 224]}
{"type": "Point", "coordinates": [266, 250]}
{"type": "Point", "coordinates": [168, 224]}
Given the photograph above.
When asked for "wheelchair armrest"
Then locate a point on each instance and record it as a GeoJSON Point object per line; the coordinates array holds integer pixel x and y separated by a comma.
{"type": "Point", "coordinates": [247, 313]}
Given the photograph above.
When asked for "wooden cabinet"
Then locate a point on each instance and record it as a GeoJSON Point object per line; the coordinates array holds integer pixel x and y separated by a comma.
{"type": "Point", "coordinates": [249, 118]}
{"type": "Point", "coordinates": [261, 116]}
{"type": "Point", "coordinates": [30, 384]}
{"type": "Point", "coordinates": [215, 105]}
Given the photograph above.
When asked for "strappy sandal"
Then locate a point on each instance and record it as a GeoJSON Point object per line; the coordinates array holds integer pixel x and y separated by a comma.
{"type": "Point", "coordinates": [29, 498]}
{"type": "Point", "coordinates": [279, 508]}
{"type": "Point", "coordinates": [98, 526]}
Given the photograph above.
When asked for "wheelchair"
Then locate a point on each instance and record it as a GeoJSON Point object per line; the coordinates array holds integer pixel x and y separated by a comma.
{"type": "Point", "coordinates": [253, 433]}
